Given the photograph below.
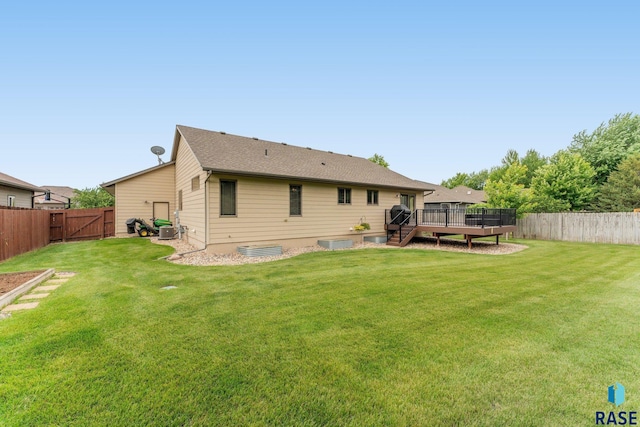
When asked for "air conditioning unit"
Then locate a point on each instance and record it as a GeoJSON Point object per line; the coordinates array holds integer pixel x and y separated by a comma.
{"type": "Point", "coordinates": [166, 232]}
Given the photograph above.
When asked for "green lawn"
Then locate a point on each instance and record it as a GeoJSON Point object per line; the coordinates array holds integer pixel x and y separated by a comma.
{"type": "Point", "coordinates": [362, 338]}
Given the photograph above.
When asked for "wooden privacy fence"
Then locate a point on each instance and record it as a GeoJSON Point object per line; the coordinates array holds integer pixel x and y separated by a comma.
{"type": "Point", "coordinates": [616, 227]}
{"type": "Point", "coordinates": [24, 230]}
{"type": "Point", "coordinates": [81, 224]}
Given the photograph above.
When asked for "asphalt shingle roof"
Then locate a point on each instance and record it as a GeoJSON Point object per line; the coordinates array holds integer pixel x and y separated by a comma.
{"type": "Point", "coordinates": [10, 181]}
{"type": "Point", "coordinates": [459, 194]}
{"type": "Point", "coordinates": [222, 152]}
{"type": "Point", "coordinates": [59, 194]}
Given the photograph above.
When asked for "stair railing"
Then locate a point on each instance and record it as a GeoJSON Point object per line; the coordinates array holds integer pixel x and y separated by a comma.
{"type": "Point", "coordinates": [405, 222]}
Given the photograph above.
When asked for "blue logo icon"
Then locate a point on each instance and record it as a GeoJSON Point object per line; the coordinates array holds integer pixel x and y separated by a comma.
{"type": "Point", "coordinates": [616, 394]}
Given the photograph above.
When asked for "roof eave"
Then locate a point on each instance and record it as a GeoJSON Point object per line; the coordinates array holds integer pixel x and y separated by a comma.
{"type": "Point", "coordinates": [306, 179]}
{"type": "Point", "coordinates": [21, 187]}
{"type": "Point", "coordinates": [176, 140]}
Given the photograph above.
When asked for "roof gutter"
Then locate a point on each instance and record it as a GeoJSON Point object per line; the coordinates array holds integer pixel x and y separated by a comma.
{"type": "Point", "coordinates": [20, 186]}
{"type": "Point", "coordinates": [299, 178]}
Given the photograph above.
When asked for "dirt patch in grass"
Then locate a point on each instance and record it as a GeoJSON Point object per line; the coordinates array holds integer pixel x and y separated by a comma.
{"type": "Point", "coordinates": [10, 281]}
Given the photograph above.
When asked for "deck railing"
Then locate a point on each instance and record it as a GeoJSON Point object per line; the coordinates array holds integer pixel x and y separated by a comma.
{"type": "Point", "coordinates": [470, 217]}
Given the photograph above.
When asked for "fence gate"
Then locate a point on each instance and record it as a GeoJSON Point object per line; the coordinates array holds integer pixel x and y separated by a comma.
{"type": "Point", "coordinates": [56, 226]}
{"type": "Point", "coordinates": [81, 224]}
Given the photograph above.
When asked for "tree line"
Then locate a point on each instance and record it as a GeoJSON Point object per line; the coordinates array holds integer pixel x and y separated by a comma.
{"type": "Point", "coordinates": [598, 171]}
{"type": "Point", "coordinates": [92, 197]}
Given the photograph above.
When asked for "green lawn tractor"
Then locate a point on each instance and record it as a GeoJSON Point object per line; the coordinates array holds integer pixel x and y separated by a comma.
{"type": "Point", "coordinates": [144, 229]}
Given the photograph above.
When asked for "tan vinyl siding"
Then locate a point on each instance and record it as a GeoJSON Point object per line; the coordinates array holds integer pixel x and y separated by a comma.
{"type": "Point", "coordinates": [263, 212]}
{"type": "Point", "coordinates": [192, 215]}
{"type": "Point", "coordinates": [23, 197]}
{"type": "Point", "coordinates": [263, 172]}
{"type": "Point", "coordinates": [135, 196]}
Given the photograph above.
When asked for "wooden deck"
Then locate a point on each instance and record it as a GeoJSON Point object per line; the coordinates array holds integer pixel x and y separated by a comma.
{"type": "Point", "coordinates": [437, 231]}
{"type": "Point", "coordinates": [450, 223]}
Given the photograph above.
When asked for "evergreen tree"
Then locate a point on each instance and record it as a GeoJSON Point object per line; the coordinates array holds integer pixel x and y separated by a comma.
{"type": "Point", "coordinates": [621, 192]}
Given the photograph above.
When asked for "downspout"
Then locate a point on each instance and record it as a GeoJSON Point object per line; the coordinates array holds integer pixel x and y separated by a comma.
{"type": "Point", "coordinates": [206, 209]}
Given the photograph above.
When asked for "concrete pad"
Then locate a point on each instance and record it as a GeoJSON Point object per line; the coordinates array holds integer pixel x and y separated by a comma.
{"type": "Point", "coordinates": [46, 288]}
{"type": "Point", "coordinates": [62, 274]}
{"type": "Point", "coordinates": [34, 296]}
{"type": "Point", "coordinates": [24, 306]}
{"type": "Point", "coordinates": [57, 280]}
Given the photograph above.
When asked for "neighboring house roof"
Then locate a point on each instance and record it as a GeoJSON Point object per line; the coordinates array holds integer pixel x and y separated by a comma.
{"type": "Point", "coordinates": [10, 181]}
{"type": "Point", "coordinates": [221, 152]}
{"type": "Point", "coordinates": [459, 194]}
{"type": "Point", "coordinates": [58, 195]}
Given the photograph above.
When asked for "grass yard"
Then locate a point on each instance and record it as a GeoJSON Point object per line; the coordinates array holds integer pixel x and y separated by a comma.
{"type": "Point", "coordinates": [360, 338]}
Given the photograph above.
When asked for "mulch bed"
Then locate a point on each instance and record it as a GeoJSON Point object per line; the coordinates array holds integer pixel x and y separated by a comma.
{"type": "Point", "coordinates": [10, 281]}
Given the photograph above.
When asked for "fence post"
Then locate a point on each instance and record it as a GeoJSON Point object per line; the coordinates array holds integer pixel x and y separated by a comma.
{"type": "Point", "coordinates": [64, 226]}
{"type": "Point", "coordinates": [102, 224]}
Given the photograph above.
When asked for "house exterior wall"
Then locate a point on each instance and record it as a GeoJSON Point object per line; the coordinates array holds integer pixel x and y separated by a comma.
{"type": "Point", "coordinates": [22, 197]}
{"type": "Point", "coordinates": [192, 211]}
{"type": "Point", "coordinates": [263, 213]}
{"type": "Point", "coordinates": [134, 197]}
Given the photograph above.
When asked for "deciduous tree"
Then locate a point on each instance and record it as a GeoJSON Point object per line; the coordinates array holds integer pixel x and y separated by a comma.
{"type": "Point", "coordinates": [609, 144]}
{"type": "Point", "coordinates": [378, 159]}
{"type": "Point", "coordinates": [508, 191]}
{"type": "Point", "coordinates": [533, 161]}
{"type": "Point", "coordinates": [96, 197]}
{"type": "Point", "coordinates": [566, 183]}
{"type": "Point", "coordinates": [475, 180]}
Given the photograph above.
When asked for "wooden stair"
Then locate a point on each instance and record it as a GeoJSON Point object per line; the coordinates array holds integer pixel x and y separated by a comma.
{"type": "Point", "coordinates": [402, 240]}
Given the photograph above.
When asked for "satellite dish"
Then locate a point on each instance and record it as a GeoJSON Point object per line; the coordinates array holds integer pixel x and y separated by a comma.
{"type": "Point", "coordinates": [158, 151]}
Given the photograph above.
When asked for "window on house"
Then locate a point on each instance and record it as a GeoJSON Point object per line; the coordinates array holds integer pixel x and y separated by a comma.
{"type": "Point", "coordinates": [372, 197]}
{"type": "Point", "coordinates": [445, 205]}
{"type": "Point", "coordinates": [344, 196]}
{"type": "Point", "coordinates": [409, 200]}
{"type": "Point", "coordinates": [179, 200]}
{"type": "Point", "coordinates": [227, 198]}
{"type": "Point", "coordinates": [295, 200]}
{"type": "Point", "coordinates": [195, 183]}
{"type": "Point", "coordinates": [11, 201]}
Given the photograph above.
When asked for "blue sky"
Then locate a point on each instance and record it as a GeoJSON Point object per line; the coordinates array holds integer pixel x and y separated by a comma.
{"type": "Point", "coordinates": [435, 87]}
